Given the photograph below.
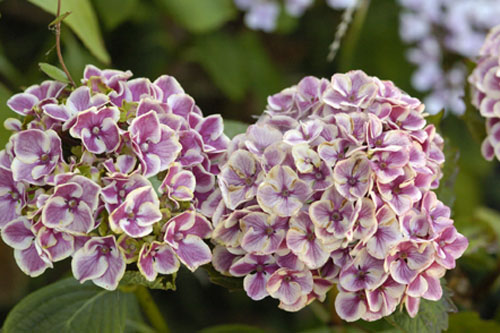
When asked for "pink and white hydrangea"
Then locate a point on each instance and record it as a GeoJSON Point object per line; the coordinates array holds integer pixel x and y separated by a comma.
{"type": "Point", "coordinates": [35, 155]}
{"type": "Point", "coordinates": [485, 83]}
{"type": "Point", "coordinates": [333, 185]}
{"type": "Point", "coordinates": [100, 261]}
{"type": "Point", "coordinates": [113, 173]}
{"type": "Point", "coordinates": [35, 96]}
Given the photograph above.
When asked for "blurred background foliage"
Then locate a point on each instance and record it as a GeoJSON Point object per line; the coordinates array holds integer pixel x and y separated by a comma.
{"type": "Point", "coordinates": [230, 70]}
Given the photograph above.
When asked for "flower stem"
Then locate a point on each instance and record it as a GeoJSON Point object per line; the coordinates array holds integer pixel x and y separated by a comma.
{"type": "Point", "coordinates": [352, 36]}
{"type": "Point", "coordinates": [151, 310]}
{"type": "Point", "coordinates": [58, 45]}
{"type": "Point", "coordinates": [334, 317]}
{"type": "Point", "coordinates": [320, 312]}
{"type": "Point", "coordinates": [341, 31]}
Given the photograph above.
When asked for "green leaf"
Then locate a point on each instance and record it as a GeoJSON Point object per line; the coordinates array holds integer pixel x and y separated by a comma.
{"type": "Point", "coordinates": [232, 328]}
{"type": "Point", "coordinates": [491, 218]}
{"type": "Point", "coordinates": [230, 283]}
{"type": "Point", "coordinates": [82, 21]}
{"type": "Point", "coordinates": [199, 16]}
{"type": "Point", "coordinates": [222, 58]}
{"type": "Point", "coordinates": [263, 75]}
{"type": "Point", "coordinates": [236, 64]}
{"type": "Point", "coordinates": [446, 191]}
{"type": "Point", "coordinates": [163, 282]}
{"type": "Point", "coordinates": [5, 113]}
{"type": "Point", "coordinates": [432, 317]}
{"type": "Point", "coordinates": [475, 123]}
{"type": "Point", "coordinates": [54, 72]}
{"type": "Point", "coordinates": [68, 306]}
{"type": "Point", "coordinates": [234, 127]}
{"type": "Point", "coordinates": [470, 322]}
{"type": "Point", "coordinates": [435, 119]}
{"type": "Point", "coordinates": [112, 17]}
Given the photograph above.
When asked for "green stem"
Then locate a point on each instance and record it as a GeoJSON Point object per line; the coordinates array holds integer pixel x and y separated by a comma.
{"type": "Point", "coordinates": [320, 312]}
{"type": "Point", "coordinates": [151, 310]}
{"type": "Point", "coordinates": [352, 36]}
{"type": "Point", "coordinates": [58, 45]}
{"type": "Point", "coordinates": [334, 317]}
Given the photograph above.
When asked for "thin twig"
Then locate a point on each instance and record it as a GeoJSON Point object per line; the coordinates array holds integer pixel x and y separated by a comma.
{"type": "Point", "coordinates": [341, 30]}
{"type": "Point", "coordinates": [58, 45]}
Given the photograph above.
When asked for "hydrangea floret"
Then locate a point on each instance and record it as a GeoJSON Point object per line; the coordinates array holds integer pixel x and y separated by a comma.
{"type": "Point", "coordinates": [111, 173]}
{"type": "Point", "coordinates": [333, 185]}
{"type": "Point", "coordinates": [485, 84]}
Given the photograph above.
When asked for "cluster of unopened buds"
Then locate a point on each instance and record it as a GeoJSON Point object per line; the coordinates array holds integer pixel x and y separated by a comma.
{"type": "Point", "coordinates": [333, 185]}
{"type": "Point", "coordinates": [263, 14]}
{"type": "Point", "coordinates": [109, 173]}
{"type": "Point", "coordinates": [485, 84]}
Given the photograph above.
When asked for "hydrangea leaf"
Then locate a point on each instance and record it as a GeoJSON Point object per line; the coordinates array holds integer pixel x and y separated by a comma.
{"type": "Point", "coordinates": [199, 16]}
{"type": "Point", "coordinates": [112, 17]}
{"type": "Point", "coordinates": [237, 64]}
{"type": "Point", "coordinates": [435, 119]}
{"type": "Point", "coordinates": [163, 282]}
{"type": "Point", "coordinates": [82, 21]}
{"type": "Point", "coordinates": [234, 127]}
{"type": "Point", "coordinates": [432, 317]}
{"type": "Point", "coordinates": [471, 322]}
{"type": "Point", "coordinates": [491, 218]}
{"type": "Point", "coordinates": [475, 123]}
{"type": "Point", "coordinates": [54, 72]}
{"type": "Point", "coordinates": [68, 306]}
{"type": "Point", "coordinates": [223, 60]}
{"type": "Point", "coordinates": [5, 113]}
{"type": "Point", "coordinates": [231, 283]}
{"type": "Point", "coordinates": [446, 191]}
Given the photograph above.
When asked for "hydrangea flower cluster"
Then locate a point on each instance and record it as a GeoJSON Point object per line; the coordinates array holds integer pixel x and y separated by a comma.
{"type": "Point", "coordinates": [109, 173]}
{"type": "Point", "coordinates": [485, 84]}
{"type": "Point", "coordinates": [333, 185]}
{"type": "Point", "coordinates": [443, 31]}
{"type": "Point", "coordinates": [263, 14]}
